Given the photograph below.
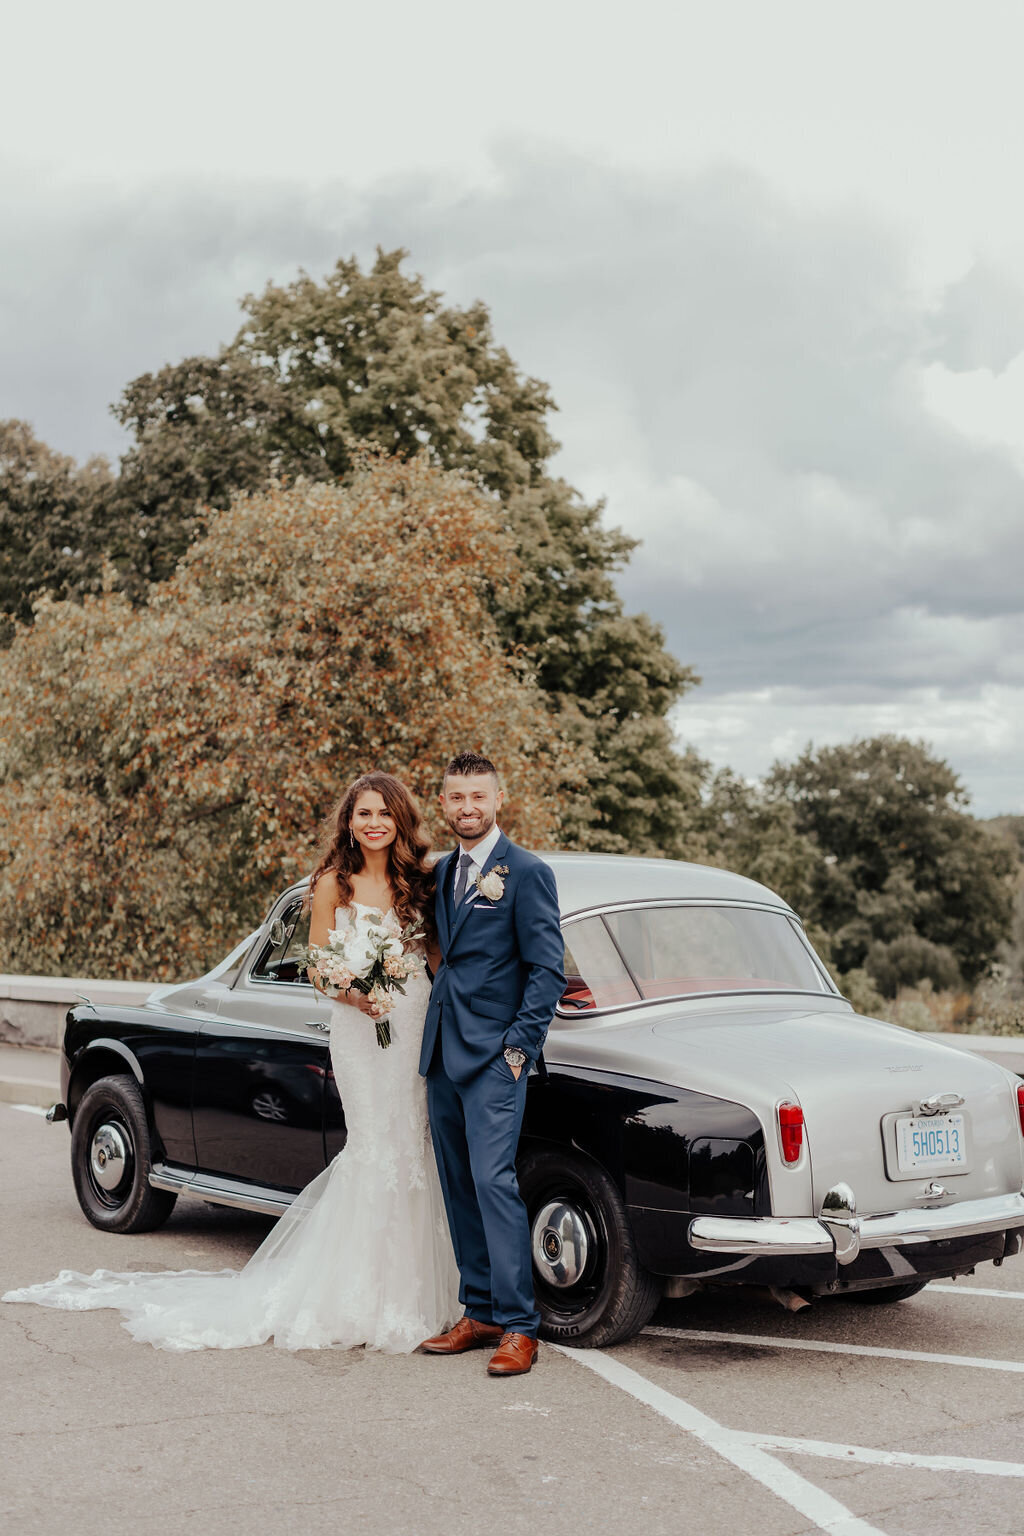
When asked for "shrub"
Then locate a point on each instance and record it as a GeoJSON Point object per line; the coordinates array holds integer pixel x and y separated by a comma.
{"type": "Point", "coordinates": [909, 960]}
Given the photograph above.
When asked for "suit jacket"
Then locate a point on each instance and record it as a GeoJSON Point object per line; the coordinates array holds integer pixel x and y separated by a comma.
{"type": "Point", "coordinates": [501, 970]}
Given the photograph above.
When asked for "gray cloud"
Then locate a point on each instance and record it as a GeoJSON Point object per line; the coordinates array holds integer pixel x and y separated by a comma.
{"type": "Point", "coordinates": [101, 284]}
{"type": "Point", "coordinates": [739, 376]}
{"type": "Point", "coordinates": [980, 323]}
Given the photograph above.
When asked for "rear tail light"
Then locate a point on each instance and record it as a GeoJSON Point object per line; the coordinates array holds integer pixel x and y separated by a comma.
{"type": "Point", "coordinates": [791, 1130]}
{"type": "Point", "coordinates": [1020, 1105]}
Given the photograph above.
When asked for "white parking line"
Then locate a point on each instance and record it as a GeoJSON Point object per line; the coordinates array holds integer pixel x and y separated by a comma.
{"type": "Point", "coordinates": [977, 1290]}
{"type": "Point", "coordinates": [825, 1512]}
{"type": "Point", "coordinates": [875, 1458]}
{"type": "Point", "coordinates": [28, 1109]}
{"type": "Point", "coordinates": [765, 1341]}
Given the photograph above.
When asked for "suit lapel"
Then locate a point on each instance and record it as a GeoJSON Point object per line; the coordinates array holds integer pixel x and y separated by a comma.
{"type": "Point", "coordinates": [442, 899]}
{"type": "Point", "coordinates": [499, 851]}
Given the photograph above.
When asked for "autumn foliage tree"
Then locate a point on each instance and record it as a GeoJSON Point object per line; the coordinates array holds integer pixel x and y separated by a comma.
{"type": "Point", "coordinates": [165, 769]}
{"type": "Point", "coordinates": [321, 369]}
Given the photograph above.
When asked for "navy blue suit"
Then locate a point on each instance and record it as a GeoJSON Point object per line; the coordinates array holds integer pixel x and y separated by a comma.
{"type": "Point", "coordinates": [501, 975]}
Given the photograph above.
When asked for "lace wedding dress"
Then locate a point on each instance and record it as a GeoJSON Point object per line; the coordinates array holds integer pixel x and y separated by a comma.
{"type": "Point", "coordinates": [363, 1255]}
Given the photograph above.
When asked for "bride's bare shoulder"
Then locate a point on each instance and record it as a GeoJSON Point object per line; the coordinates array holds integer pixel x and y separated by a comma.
{"type": "Point", "coordinates": [327, 892]}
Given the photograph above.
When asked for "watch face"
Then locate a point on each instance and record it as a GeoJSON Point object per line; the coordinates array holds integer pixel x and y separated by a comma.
{"type": "Point", "coordinates": [514, 1056]}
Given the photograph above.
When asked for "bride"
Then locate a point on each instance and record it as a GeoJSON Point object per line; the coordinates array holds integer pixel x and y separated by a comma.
{"type": "Point", "coordinates": [363, 1255]}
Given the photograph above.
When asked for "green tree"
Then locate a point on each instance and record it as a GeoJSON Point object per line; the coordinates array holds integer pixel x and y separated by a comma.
{"type": "Point", "coordinates": [1011, 830]}
{"type": "Point", "coordinates": [900, 856]}
{"type": "Point", "coordinates": [49, 512]}
{"type": "Point", "coordinates": [164, 769]}
{"type": "Point", "coordinates": [755, 833]}
{"type": "Point", "coordinates": [320, 369]}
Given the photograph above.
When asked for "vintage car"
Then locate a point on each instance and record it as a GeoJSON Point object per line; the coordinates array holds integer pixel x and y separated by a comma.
{"type": "Point", "coordinates": [709, 1111]}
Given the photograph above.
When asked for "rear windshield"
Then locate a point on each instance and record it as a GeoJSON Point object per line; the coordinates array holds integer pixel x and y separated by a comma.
{"type": "Point", "coordinates": [655, 952]}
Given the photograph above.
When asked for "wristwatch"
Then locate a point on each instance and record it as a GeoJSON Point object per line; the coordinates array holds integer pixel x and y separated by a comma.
{"type": "Point", "coordinates": [514, 1056]}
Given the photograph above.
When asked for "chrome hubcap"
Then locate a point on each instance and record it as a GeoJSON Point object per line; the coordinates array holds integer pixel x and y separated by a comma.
{"type": "Point", "coordinates": [561, 1242]}
{"type": "Point", "coordinates": [108, 1156]}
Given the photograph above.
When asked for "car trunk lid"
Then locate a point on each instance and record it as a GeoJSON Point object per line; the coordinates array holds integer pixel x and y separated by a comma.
{"type": "Point", "coordinates": [853, 1078]}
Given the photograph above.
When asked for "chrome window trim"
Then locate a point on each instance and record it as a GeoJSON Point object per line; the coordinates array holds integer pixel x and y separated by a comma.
{"type": "Point", "coordinates": [637, 988]}
{"type": "Point", "coordinates": [581, 1015]}
{"type": "Point", "coordinates": [798, 927]}
{"type": "Point", "coordinates": [247, 972]}
{"type": "Point", "coordinates": [677, 901]}
{"type": "Point", "coordinates": [268, 981]}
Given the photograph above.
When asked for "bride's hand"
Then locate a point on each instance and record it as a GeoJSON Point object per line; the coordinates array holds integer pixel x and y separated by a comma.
{"type": "Point", "coordinates": [361, 1001]}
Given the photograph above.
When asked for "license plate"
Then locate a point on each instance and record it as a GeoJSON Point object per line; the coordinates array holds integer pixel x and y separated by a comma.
{"type": "Point", "coordinates": [931, 1143]}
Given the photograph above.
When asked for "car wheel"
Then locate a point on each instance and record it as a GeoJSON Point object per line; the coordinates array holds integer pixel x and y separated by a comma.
{"type": "Point", "coordinates": [110, 1159]}
{"type": "Point", "coordinates": [591, 1288]}
{"type": "Point", "coordinates": [887, 1293]}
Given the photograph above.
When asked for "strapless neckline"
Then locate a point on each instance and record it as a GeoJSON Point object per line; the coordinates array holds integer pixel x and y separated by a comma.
{"type": "Point", "coordinates": [367, 906]}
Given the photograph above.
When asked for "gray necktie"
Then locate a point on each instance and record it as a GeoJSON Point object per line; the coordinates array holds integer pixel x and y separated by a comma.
{"type": "Point", "coordinates": [462, 876]}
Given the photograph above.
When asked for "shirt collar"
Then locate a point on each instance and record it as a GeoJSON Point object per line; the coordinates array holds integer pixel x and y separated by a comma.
{"type": "Point", "coordinates": [483, 850]}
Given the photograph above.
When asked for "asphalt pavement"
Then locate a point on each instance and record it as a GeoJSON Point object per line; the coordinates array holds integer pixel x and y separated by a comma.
{"type": "Point", "coordinates": [728, 1418]}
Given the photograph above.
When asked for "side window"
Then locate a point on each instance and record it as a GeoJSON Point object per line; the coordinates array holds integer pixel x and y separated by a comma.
{"type": "Point", "coordinates": [277, 961]}
{"type": "Point", "coordinates": [595, 976]}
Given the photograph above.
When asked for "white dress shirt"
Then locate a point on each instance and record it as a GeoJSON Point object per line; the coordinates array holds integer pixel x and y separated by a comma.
{"type": "Point", "coordinates": [480, 853]}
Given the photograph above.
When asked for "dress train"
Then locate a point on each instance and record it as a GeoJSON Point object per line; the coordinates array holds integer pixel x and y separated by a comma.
{"type": "Point", "coordinates": [362, 1256]}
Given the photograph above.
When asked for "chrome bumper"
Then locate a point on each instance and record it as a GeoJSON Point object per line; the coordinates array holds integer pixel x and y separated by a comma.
{"type": "Point", "coordinates": [842, 1231]}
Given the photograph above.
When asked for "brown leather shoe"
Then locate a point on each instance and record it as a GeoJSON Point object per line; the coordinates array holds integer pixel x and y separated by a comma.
{"type": "Point", "coordinates": [467, 1334]}
{"type": "Point", "coordinates": [514, 1355]}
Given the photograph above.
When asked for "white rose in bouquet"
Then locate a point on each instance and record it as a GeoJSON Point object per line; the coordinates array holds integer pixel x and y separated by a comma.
{"type": "Point", "coordinates": [357, 947]}
{"type": "Point", "coordinates": [370, 957]}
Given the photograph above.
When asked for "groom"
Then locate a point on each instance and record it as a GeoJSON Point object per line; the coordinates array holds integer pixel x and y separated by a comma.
{"type": "Point", "coordinates": [493, 998]}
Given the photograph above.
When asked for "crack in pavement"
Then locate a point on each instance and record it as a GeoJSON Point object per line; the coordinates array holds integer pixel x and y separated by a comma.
{"type": "Point", "coordinates": [173, 1418]}
{"type": "Point", "coordinates": [50, 1349]}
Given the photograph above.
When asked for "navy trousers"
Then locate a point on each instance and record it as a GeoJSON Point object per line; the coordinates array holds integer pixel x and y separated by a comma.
{"type": "Point", "coordinates": [475, 1128]}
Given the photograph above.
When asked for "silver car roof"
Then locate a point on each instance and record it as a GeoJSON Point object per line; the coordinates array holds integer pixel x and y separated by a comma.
{"type": "Point", "coordinates": [588, 880]}
{"type": "Point", "coordinates": [596, 879]}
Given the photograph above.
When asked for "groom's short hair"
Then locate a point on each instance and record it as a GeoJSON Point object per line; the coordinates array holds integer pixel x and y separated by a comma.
{"type": "Point", "coordinates": [465, 764]}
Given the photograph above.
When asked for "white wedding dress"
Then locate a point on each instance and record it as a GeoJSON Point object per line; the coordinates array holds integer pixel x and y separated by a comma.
{"type": "Point", "coordinates": [363, 1255]}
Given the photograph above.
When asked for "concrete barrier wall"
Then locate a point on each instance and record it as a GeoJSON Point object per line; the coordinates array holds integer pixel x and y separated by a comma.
{"type": "Point", "coordinates": [32, 1008]}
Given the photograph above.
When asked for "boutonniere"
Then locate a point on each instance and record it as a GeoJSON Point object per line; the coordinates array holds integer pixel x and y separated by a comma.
{"type": "Point", "coordinates": [491, 886]}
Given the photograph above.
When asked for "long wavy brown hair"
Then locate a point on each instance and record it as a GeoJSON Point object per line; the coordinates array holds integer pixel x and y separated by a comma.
{"type": "Point", "coordinates": [409, 874]}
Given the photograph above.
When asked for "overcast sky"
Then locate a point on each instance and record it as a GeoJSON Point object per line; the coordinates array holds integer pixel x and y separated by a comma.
{"type": "Point", "coordinates": [770, 259]}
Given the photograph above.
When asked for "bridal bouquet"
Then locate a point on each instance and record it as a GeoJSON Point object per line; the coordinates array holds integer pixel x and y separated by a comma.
{"type": "Point", "coordinates": [374, 956]}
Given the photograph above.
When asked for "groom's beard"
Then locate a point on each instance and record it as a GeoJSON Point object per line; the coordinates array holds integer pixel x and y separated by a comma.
{"type": "Point", "coordinates": [476, 826]}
